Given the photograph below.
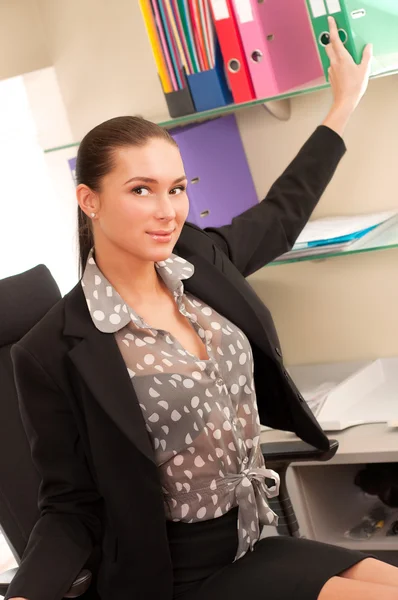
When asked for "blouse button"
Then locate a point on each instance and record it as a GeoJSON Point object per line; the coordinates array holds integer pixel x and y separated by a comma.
{"type": "Point", "coordinates": [219, 381]}
{"type": "Point", "coordinates": [245, 460]}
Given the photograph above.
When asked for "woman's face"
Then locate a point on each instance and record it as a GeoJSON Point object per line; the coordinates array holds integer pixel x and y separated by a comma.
{"type": "Point", "coordinates": [143, 202]}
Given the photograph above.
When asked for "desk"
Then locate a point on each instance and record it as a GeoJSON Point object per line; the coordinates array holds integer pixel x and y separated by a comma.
{"type": "Point", "coordinates": [325, 499]}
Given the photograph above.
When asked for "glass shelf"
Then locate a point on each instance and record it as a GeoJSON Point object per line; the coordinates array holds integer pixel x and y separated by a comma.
{"type": "Point", "coordinates": [385, 241]}
{"type": "Point", "coordinates": [169, 123]}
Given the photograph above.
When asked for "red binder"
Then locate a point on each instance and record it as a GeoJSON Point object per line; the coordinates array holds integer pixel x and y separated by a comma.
{"type": "Point", "coordinates": [232, 50]}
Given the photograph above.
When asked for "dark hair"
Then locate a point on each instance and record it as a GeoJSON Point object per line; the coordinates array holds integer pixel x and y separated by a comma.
{"type": "Point", "coordinates": [95, 159]}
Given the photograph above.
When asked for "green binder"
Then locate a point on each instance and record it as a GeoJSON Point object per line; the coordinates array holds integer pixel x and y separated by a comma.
{"type": "Point", "coordinates": [360, 22]}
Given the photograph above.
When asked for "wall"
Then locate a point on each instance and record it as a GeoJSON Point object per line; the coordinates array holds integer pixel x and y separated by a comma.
{"type": "Point", "coordinates": [23, 46]}
{"type": "Point", "coordinates": [103, 60]}
{"type": "Point", "coordinates": [343, 308]}
{"type": "Point", "coordinates": [37, 222]}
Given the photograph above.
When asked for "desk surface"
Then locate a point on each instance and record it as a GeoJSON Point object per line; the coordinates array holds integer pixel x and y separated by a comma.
{"type": "Point", "coordinates": [361, 444]}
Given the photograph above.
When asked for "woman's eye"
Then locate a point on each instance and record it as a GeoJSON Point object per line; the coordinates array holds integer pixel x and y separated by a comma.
{"type": "Point", "coordinates": [140, 191]}
{"type": "Point", "coordinates": [178, 190]}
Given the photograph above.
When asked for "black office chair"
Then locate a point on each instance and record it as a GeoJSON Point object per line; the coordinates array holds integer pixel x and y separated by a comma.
{"type": "Point", "coordinates": [24, 300]}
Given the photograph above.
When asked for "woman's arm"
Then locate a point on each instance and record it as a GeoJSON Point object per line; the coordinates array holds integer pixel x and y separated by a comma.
{"type": "Point", "coordinates": [348, 80]}
{"type": "Point", "coordinates": [70, 506]}
{"type": "Point", "coordinates": [270, 229]}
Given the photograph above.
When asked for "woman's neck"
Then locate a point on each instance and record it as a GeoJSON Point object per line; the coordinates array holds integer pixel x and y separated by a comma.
{"type": "Point", "coordinates": [135, 280]}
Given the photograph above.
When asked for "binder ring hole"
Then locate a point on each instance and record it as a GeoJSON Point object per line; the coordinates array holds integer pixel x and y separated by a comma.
{"type": "Point", "coordinates": [324, 38]}
{"type": "Point", "coordinates": [204, 213]}
{"type": "Point", "coordinates": [270, 38]}
{"type": "Point", "coordinates": [257, 56]}
{"type": "Point", "coordinates": [343, 35]}
{"type": "Point", "coordinates": [234, 65]}
{"type": "Point", "coordinates": [195, 180]}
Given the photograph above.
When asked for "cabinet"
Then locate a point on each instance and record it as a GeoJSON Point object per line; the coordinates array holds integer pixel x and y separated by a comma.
{"type": "Point", "coordinates": [324, 496]}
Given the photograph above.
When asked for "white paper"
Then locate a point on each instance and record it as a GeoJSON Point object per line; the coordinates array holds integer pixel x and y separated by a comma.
{"type": "Point", "coordinates": [318, 8]}
{"type": "Point", "coordinates": [334, 227]}
{"type": "Point", "coordinates": [220, 9]}
{"type": "Point", "coordinates": [244, 11]}
{"type": "Point", "coordinates": [333, 6]}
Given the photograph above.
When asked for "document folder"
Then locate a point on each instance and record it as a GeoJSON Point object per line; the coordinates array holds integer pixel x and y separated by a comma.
{"type": "Point", "coordinates": [279, 45]}
{"type": "Point", "coordinates": [187, 55]}
{"type": "Point", "coordinates": [232, 50]}
{"type": "Point", "coordinates": [359, 23]}
{"type": "Point", "coordinates": [178, 96]}
{"type": "Point", "coordinates": [209, 89]}
{"type": "Point", "coordinates": [220, 183]}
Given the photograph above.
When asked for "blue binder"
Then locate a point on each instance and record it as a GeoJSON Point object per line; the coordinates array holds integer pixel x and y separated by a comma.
{"type": "Point", "coordinates": [209, 89]}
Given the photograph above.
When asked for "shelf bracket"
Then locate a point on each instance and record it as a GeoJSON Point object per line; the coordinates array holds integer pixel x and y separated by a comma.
{"type": "Point", "coordinates": [280, 109]}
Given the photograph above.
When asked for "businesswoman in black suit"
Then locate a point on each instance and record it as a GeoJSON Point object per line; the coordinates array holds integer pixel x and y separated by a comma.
{"type": "Point", "coordinates": [142, 391]}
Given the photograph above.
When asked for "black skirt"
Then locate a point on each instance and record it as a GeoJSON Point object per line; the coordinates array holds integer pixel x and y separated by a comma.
{"type": "Point", "coordinates": [279, 568]}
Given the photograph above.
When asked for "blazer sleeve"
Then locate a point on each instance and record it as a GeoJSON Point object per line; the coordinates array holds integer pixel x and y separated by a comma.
{"type": "Point", "coordinates": [70, 506]}
{"type": "Point", "coordinates": [269, 229]}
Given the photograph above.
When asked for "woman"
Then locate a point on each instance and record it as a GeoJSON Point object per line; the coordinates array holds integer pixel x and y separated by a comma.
{"type": "Point", "coordinates": [137, 389]}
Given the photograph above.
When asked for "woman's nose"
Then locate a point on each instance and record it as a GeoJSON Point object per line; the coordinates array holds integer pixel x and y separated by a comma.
{"type": "Point", "coordinates": [166, 210]}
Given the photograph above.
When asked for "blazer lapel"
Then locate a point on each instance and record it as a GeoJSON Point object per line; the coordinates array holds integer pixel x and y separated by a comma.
{"type": "Point", "coordinates": [100, 364]}
{"type": "Point", "coordinates": [237, 302]}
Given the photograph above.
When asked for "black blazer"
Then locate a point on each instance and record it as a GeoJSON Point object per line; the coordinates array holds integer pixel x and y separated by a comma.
{"type": "Point", "coordinates": [100, 484]}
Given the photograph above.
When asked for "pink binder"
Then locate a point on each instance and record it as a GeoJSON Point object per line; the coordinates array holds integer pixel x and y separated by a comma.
{"type": "Point", "coordinates": [279, 44]}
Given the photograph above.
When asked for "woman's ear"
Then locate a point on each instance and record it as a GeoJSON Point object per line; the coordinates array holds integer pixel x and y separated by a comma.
{"type": "Point", "coordinates": [88, 200]}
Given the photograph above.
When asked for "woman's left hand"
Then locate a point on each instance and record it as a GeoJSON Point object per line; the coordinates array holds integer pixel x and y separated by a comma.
{"type": "Point", "coordinates": [347, 79]}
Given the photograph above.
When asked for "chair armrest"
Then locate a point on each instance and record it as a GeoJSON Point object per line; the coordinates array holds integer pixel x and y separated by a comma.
{"type": "Point", "coordinates": [78, 587]}
{"type": "Point", "coordinates": [279, 456]}
{"type": "Point", "coordinates": [5, 579]}
{"type": "Point", "coordinates": [296, 451]}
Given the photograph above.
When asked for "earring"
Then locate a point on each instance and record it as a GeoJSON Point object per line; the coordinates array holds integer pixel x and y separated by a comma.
{"type": "Point", "coordinates": [92, 215]}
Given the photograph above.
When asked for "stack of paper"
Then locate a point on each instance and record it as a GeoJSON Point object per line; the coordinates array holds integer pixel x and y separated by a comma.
{"type": "Point", "coordinates": [351, 393]}
{"type": "Point", "coordinates": [347, 394]}
{"type": "Point", "coordinates": [329, 235]}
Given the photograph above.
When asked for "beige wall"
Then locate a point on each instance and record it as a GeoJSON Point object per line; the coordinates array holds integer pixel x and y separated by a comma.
{"type": "Point", "coordinates": [342, 308]}
{"type": "Point", "coordinates": [23, 45]}
{"type": "Point", "coordinates": [103, 60]}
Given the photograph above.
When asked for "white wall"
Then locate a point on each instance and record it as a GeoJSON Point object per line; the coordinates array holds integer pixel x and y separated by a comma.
{"type": "Point", "coordinates": [35, 219]}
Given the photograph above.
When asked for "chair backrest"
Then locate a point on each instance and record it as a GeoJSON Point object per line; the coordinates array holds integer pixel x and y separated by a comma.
{"type": "Point", "coordinates": [24, 300]}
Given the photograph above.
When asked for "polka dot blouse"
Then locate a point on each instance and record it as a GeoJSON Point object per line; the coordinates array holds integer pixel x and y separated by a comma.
{"type": "Point", "coordinates": [201, 415]}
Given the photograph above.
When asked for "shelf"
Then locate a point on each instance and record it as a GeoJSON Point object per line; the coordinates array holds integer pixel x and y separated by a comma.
{"type": "Point", "coordinates": [377, 542]}
{"type": "Point", "coordinates": [169, 123]}
{"type": "Point", "coordinates": [333, 504]}
{"type": "Point", "coordinates": [387, 240]}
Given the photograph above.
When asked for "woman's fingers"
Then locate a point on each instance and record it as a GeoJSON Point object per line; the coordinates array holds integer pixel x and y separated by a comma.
{"type": "Point", "coordinates": [367, 56]}
{"type": "Point", "coordinates": [335, 42]}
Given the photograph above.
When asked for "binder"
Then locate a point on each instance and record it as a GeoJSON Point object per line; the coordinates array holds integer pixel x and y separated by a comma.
{"type": "Point", "coordinates": [209, 86]}
{"type": "Point", "coordinates": [232, 50]}
{"type": "Point", "coordinates": [209, 89]}
{"type": "Point", "coordinates": [220, 183]}
{"type": "Point", "coordinates": [279, 45]}
{"type": "Point", "coordinates": [359, 23]}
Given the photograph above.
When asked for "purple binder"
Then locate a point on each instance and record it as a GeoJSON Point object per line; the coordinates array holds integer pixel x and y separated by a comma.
{"type": "Point", "coordinates": [220, 183]}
